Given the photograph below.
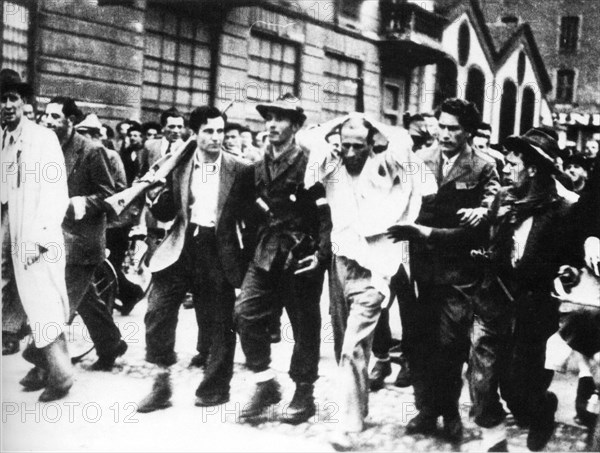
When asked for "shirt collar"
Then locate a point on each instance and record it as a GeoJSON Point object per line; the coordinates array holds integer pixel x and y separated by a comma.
{"type": "Point", "coordinates": [199, 159]}
{"type": "Point", "coordinates": [16, 134]}
{"type": "Point", "coordinates": [289, 154]}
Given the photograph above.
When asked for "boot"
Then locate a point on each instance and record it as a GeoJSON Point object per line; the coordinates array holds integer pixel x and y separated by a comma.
{"type": "Point", "coordinates": [265, 394]}
{"type": "Point", "coordinates": [422, 424]}
{"type": "Point", "coordinates": [585, 389]}
{"type": "Point", "coordinates": [160, 396]}
{"type": "Point", "coordinates": [542, 427]}
{"type": "Point", "coordinates": [106, 362]}
{"type": "Point", "coordinates": [60, 370]}
{"type": "Point", "coordinates": [380, 371]}
{"type": "Point", "coordinates": [403, 378]}
{"type": "Point", "coordinates": [10, 343]}
{"type": "Point", "coordinates": [453, 427]}
{"type": "Point", "coordinates": [36, 379]}
{"type": "Point", "coordinates": [302, 406]}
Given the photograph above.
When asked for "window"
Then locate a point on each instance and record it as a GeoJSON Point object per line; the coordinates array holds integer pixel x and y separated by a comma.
{"type": "Point", "coordinates": [565, 80]}
{"type": "Point", "coordinates": [176, 63]}
{"type": "Point", "coordinates": [527, 109]}
{"type": "Point", "coordinates": [446, 77]}
{"type": "Point", "coordinates": [464, 43]}
{"type": "Point", "coordinates": [521, 67]}
{"type": "Point", "coordinates": [273, 68]}
{"type": "Point", "coordinates": [343, 90]}
{"type": "Point", "coordinates": [393, 100]}
{"type": "Point", "coordinates": [475, 92]}
{"type": "Point", "coordinates": [15, 37]}
{"type": "Point", "coordinates": [569, 34]}
{"type": "Point", "coordinates": [508, 105]}
{"type": "Point", "coordinates": [350, 8]}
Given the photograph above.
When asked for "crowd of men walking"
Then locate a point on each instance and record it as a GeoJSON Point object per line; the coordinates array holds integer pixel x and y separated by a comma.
{"type": "Point", "coordinates": [468, 239]}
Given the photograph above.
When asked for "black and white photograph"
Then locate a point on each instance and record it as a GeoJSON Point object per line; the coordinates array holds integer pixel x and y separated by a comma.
{"type": "Point", "coordinates": [300, 225]}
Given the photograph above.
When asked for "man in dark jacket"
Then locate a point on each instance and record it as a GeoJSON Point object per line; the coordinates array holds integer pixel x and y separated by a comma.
{"type": "Point", "coordinates": [293, 247]}
{"type": "Point", "coordinates": [531, 237]}
{"type": "Point", "coordinates": [84, 227]}
{"type": "Point", "coordinates": [208, 199]}
{"type": "Point", "coordinates": [450, 224]}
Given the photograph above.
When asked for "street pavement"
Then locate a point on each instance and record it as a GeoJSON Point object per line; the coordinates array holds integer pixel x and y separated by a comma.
{"type": "Point", "coordinates": [99, 413]}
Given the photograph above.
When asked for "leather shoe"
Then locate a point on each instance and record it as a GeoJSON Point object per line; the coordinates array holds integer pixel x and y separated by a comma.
{"type": "Point", "coordinates": [501, 446]}
{"type": "Point", "coordinates": [10, 343]}
{"type": "Point", "coordinates": [403, 379]}
{"type": "Point", "coordinates": [453, 427]}
{"type": "Point", "coordinates": [106, 362]}
{"type": "Point", "coordinates": [380, 371]}
{"type": "Point", "coordinates": [198, 361]}
{"type": "Point", "coordinates": [265, 394]}
{"type": "Point", "coordinates": [211, 400]}
{"type": "Point", "coordinates": [302, 406]}
{"type": "Point", "coordinates": [56, 391]}
{"type": "Point", "coordinates": [159, 397]}
{"type": "Point", "coordinates": [35, 379]}
{"type": "Point", "coordinates": [542, 428]}
{"type": "Point", "coordinates": [421, 424]}
{"type": "Point", "coordinates": [343, 441]}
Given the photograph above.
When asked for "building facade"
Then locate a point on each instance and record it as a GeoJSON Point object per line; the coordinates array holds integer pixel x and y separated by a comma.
{"type": "Point", "coordinates": [135, 58]}
{"type": "Point", "coordinates": [567, 35]}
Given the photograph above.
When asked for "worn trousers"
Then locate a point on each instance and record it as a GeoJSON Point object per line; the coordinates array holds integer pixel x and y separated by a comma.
{"type": "Point", "coordinates": [503, 363]}
{"type": "Point", "coordinates": [262, 296]}
{"type": "Point", "coordinates": [198, 270]}
{"type": "Point", "coordinates": [84, 298]}
{"type": "Point", "coordinates": [439, 346]}
{"type": "Point", "coordinates": [355, 309]}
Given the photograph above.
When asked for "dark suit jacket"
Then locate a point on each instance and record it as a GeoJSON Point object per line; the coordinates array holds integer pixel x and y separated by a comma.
{"type": "Point", "coordinates": [234, 201]}
{"type": "Point", "coordinates": [445, 258]}
{"type": "Point", "coordinates": [149, 154]}
{"type": "Point", "coordinates": [89, 176]}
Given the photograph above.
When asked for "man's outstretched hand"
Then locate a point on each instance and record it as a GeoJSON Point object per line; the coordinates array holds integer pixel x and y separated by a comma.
{"type": "Point", "coordinates": [408, 232]}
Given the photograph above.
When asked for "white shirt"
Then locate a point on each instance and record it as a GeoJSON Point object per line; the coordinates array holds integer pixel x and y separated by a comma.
{"type": "Point", "coordinates": [10, 157]}
{"type": "Point", "coordinates": [448, 163]}
{"type": "Point", "coordinates": [164, 146]}
{"type": "Point", "coordinates": [520, 236]}
{"type": "Point", "coordinates": [204, 190]}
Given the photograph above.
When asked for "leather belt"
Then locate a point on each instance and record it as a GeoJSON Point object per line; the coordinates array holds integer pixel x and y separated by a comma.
{"type": "Point", "coordinates": [196, 229]}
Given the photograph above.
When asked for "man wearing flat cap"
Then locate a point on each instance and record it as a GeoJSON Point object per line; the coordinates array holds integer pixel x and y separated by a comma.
{"type": "Point", "coordinates": [531, 236]}
{"type": "Point", "coordinates": [34, 200]}
{"type": "Point", "coordinates": [293, 249]}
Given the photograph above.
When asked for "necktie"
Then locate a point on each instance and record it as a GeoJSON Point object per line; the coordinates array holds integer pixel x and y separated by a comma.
{"type": "Point", "coordinates": [447, 165]}
{"type": "Point", "coordinates": [168, 148]}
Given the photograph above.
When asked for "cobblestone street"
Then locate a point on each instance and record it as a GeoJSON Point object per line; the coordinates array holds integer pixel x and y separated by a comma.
{"type": "Point", "coordinates": [100, 411]}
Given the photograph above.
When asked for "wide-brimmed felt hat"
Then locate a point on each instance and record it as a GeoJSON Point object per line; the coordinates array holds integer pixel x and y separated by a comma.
{"type": "Point", "coordinates": [10, 80]}
{"type": "Point", "coordinates": [91, 122]}
{"type": "Point", "coordinates": [287, 103]}
{"type": "Point", "coordinates": [538, 144]}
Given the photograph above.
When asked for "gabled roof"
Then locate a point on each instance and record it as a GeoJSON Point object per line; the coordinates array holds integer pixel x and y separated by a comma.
{"type": "Point", "coordinates": [499, 41]}
{"type": "Point", "coordinates": [511, 40]}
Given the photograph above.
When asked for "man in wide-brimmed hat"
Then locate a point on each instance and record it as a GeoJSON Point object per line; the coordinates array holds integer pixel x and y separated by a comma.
{"type": "Point", "coordinates": [292, 252]}
{"type": "Point", "coordinates": [577, 168]}
{"type": "Point", "coordinates": [531, 236]}
{"type": "Point", "coordinates": [34, 199]}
